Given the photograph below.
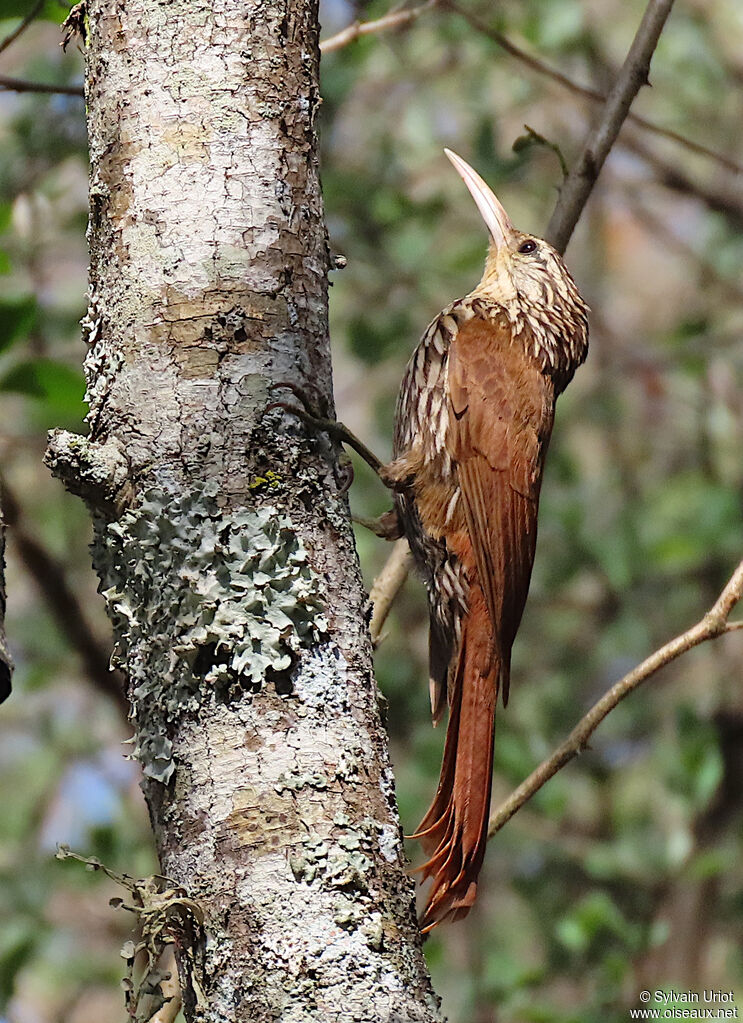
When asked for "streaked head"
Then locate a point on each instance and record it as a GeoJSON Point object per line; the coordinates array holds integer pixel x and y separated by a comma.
{"type": "Point", "coordinates": [519, 266]}
{"type": "Point", "coordinates": [526, 277]}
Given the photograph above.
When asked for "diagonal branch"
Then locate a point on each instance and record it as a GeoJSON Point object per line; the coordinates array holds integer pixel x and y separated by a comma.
{"type": "Point", "coordinates": [542, 68]}
{"type": "Point", "coordinates": [715, 623]}
{"type": "Point", "coordinates": [632, 76]}
{"type": "Point", "coordinates": [63, 603]}
{"type": "Point", "coordinates": [387, 585]}
{"type": "Point", "coordinates": [396, 19]}
{"type": "Point", "coordinates": [12, 36]}
{"type": "Point", "coordinates": [399, 19]}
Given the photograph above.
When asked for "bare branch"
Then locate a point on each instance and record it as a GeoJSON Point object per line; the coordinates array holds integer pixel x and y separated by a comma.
{"type": "Point", "coordinates": [6, 661]}
{"type": "Point", "coordinates": [632, 76]}
{"type": "Point", "coordinates": [714, 624]}
{"type": "Point", "coordinates": [21, 85]}
{"type": "Point", "coordinates": [671, 176]}
{"type": "Point", "coordinates": [396, 19]}
{"type": "Point", "coordinates": [387, 585]}
{"type": "Point", "coordinates": [11, 38]}
{"type": "Point", "coordinates": [542, 68]}
{"type": "Point", "coordinates": [655, 225]}
{"type": "Point", "coordinates": [63, 603]}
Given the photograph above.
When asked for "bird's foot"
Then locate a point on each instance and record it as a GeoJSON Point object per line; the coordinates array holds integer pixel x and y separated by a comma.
{"type": "Point", "coordinates": [387, 526]}
{"type": "Point", "coordinates": [323, 424]}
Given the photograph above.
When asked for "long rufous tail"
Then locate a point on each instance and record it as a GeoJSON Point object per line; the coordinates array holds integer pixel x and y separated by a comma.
{"type": "Point", "coordinates": [454, 831]}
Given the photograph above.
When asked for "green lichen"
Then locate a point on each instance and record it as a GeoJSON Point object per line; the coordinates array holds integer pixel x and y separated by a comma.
{"type": "Point", "coordinates": [295, 782]}
{"type": "Point", "coordinates": [203, 601]}
{"type": "Point", "coordinates": [341, 866]}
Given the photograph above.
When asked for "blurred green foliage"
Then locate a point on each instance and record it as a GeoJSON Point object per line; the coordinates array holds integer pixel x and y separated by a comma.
{"type": "Point", "coordinates": [625, 872]}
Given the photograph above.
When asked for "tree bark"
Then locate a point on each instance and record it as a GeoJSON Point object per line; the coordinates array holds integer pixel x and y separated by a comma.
{"type": "Point", "coordinates": [223, 539]}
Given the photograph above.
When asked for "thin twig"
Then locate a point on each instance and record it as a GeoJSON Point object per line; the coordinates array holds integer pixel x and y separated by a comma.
{"type": "Point", "coordinates": [387, 585]}
{"type": "Point", "coordinates": [542, 68]}
{"type": "Point", "coordinates": [632, 76]}
{"type": "Point", "coordinates": [51, 578]}
{"type": "Point", "coordinates": [11, 38]}
{"type": "Point", "coordinates": [396, 19]}
{"type": "Point", "coordinates": [6, 661]}
{"type": "Point", "coordinates": [21, 85]}
{"type": "Point", "coordinates": [656, 226]}
{"type": "Point", "coordinates": [672, 177]}
{"type": "Point", "coordinates": [714, 623]}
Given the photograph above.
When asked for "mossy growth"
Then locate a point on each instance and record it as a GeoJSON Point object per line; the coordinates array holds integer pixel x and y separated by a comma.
{"type": "Point", "coordinates": [205, 603]}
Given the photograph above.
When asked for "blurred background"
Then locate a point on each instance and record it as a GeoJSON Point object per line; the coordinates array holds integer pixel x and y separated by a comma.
{"type": "Point", "coordinates": [626, 871]}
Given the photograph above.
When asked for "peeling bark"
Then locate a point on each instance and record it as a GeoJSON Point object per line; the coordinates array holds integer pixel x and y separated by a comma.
{"type": "Point", "coordinates": [223, 540]}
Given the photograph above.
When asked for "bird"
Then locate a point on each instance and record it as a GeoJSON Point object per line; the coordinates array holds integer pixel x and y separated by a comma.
{"type": "Point", "coordinates": [473, 423]}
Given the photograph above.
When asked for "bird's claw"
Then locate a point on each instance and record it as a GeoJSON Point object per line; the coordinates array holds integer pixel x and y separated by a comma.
{"type": "Point", "coordinates": [323, 424]}
{"type": "Point", "coordinates": [343, 470]}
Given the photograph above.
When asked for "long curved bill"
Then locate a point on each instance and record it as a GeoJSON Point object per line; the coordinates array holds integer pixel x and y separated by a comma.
{"type": "Point", "coordinates": [495, 217]}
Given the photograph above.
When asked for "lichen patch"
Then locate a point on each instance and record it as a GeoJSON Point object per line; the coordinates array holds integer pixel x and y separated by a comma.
{"type": "Point", "coordinates": [229, 596]}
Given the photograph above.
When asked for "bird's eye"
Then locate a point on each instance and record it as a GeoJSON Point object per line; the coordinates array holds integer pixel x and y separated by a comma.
{"type": "Point", "coordinates": [528, 247]}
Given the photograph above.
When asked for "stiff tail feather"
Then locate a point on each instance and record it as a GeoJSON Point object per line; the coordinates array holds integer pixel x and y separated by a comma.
{"type": "Point", "coordinates": [454, 831]}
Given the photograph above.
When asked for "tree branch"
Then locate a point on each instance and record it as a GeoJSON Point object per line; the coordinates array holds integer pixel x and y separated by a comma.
{"type": "Point", "coordinates": [396, 19]}
{"type": "Point", "coordinates": [542, 68]}
{"type": "Point", "coordinates": [387, 585]}
{"type": "Point", "coordinates": [12, 36]}
{"type": "Point", "coordinates": [632, 76]}
{"type": "Point", "coordinates": [64, 606]}
{"type": "Point", "coordinates": [715, 623]}
{"type": "Point", "coordinates": [672, 177]}
{"type": "Point", "coordinates": [6, 661]}
{"type": "Point", "coordinates": [21, 85]}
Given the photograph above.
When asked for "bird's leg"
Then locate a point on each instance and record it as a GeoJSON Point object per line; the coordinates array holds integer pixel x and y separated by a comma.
{"type": "Point", "coordinates": [323, 424]}
{"type": "Point", "coordinates": [387, 526]}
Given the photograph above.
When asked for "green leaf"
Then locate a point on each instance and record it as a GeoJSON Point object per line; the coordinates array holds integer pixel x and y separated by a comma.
{"type": "Point", "coordinates": [53, 10]}
{"type": "Point", "coordinates": [56, 384]}
{"type": "Point", "coordinates": [533, 138]}
{"type": "Point", "coordinates": [17, 317]}
{"type": "Point", "coordinates": [596, 918]}
{"type": "Point", "coordinates": [17, 945]}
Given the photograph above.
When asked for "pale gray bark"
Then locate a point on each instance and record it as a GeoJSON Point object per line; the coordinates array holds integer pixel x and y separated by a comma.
{"type": "Point", "coordinates": [222, 538]}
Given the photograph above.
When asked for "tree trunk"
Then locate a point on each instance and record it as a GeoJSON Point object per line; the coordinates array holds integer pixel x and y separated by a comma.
{"type": "Point", "coordinates": [223, 539]}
